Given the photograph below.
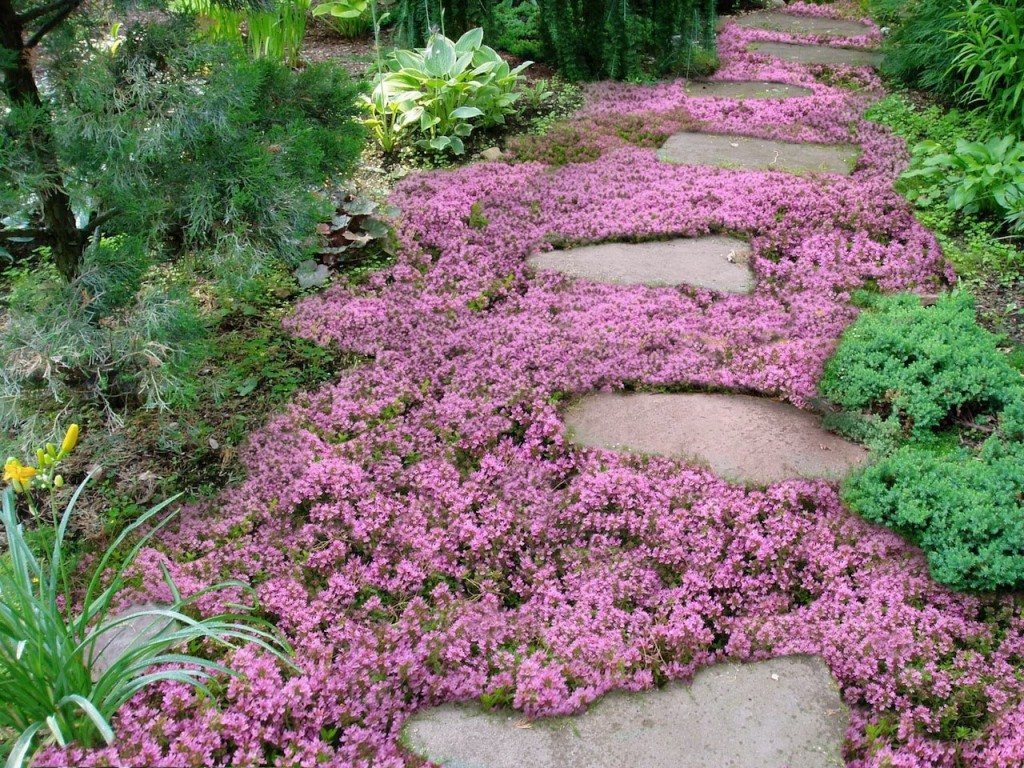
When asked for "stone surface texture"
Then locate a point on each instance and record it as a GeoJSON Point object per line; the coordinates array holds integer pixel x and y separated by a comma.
{"type": "Point", "coordinates": [745, 152]}
{"type": "Point", "coordinates": [744, 89]}
{"type": "Point", "coordinates": [802, 25]}
{"type": "Point", "coordinates": [134, 631]}
{"type": "Point", "coordinates": [782, 713]}
{"type": "Point", "coordinates": [718, 263]}
{"type": "Point", "coordinates": [818, 54]}
{"type": "Point", "coordinates": [740, 438]}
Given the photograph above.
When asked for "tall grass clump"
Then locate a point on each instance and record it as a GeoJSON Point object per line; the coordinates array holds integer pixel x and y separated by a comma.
{"type": "Point", "coordinates": [68, 661]}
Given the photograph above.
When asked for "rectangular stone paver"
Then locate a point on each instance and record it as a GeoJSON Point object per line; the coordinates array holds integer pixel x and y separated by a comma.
{"type": "Point", "coordinates": [782, 713]}
{"type": "Point", "coordinates": [802, 25]}
{"type": "Point", "coordinates": [744, 89]}
{"type": "Point", "coordinates": [745, 152]}
{"type": "Point", "coordinates": [819, 54]}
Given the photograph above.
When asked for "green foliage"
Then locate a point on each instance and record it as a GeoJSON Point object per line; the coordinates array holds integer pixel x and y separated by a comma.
{"type": "Point", "coordinates": [515, 27]}
{"type": "Point", "coordinates": [57, 683]}
{"type": "Point", "coordinates": [921, 366]}
{"type": "Point", "coordinates": [66, 344]}
{"type": "Point", "coordinates": [984, 178]}
{"type": "Point", "coordinates": [919, 50]}
{"type": "Point", "coordinates": [349, 18]}
{"type": "Point", "coordinates": [988, 40]}
{"type": "Point", "coordinates": [191, 165]}
{"type": "Point", "coordinates": [907, 371]}
{"type": "Point", "coordinates": [274, 29]}
{"type": "Point", "coordinates": [965, 509]}
{"type": "Point", "coordinates": [594, 39]}
{"type": "Point", "coordinates": [441, 92]}
{"type": "Point", "coordinates": [416, 21]}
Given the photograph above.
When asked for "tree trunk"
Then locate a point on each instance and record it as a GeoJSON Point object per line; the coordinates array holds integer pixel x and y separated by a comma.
{"type": "Point", "coordinates": [20, 87]}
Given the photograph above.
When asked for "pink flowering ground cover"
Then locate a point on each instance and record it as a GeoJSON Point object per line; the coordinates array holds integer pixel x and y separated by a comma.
{"type": "Point", "coordinates": [422, 531]}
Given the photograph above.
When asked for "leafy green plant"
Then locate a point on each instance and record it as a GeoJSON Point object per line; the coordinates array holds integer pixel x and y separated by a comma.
{"type": "Point", "coordinates": [515, 27]}
{"type": "Point", "coordinates": [920, 366]}
{"type": "Point", "coordinates": [274, 30]}
{"type": "Point", "coordinates": [988, 42]}
{"type": "Point", "coordinates": [985, 178]}
{"type": "Point", "coordinates": [349, 18]}
{"type": "Point", "coordinates": [60, 682]}
{"type": "Point", "coordinates": [439, 92]}
{"type": "Point", "coordinates": [920, 48]}
{"type": "Point", "coordinates": [963, 508]}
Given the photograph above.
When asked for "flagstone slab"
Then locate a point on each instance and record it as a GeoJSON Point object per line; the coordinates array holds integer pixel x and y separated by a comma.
{"type": "Point", "coordinates": [819, 54]}
{"type": "Point", "coordinates": [802, 25]}
{"type": "Point", "coordinates": [739, 437]}
{"type": "Point", "coordinates": [717, 263]}
{"type": "Point", "coordinates": [744, 89]}
{"type": "Point", "coordinates": [781, 713]}
{"type": "Point", "coordinates": [136, 626]}
{"type": "Point", "coordinates": [749, 153]}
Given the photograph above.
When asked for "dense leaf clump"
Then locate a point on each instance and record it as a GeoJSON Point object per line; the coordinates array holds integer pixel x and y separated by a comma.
{"type": "Point", "coordinates": [923, 366]}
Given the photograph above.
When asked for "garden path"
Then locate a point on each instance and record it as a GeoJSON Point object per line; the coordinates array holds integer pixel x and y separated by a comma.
{"type": "Point", "coordinates": [424, 532]}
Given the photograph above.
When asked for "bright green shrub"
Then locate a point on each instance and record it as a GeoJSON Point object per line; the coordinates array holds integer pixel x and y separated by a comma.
{"type": "Point", "coordinates": [922, 366]}
{"type": "Point", "coordinates": [984, 178]}
{"type": "Point", "coordinates": [965, 509]}
{"type": "Point", "coordinates": [416, 21]}
{"type": "Point", "coordinates": [514, 26]}
{"type": "Point", "coordinates": [989, 45]}
{"type": "Point", "coordinates": [441, 92]}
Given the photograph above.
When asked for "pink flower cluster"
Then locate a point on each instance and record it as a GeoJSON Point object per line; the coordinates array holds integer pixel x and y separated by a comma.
{"type": "Point", "coordinates": [423, 532]}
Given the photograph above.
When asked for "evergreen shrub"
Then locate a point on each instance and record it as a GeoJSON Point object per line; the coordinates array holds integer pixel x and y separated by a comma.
{"type": "Point", "coordinates": [911, 369]}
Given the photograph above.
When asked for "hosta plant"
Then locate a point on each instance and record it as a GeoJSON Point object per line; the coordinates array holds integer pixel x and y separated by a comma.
{"type": "Point", "coordinates": [985, 178]}
{"type": "Point", "coordinates": [441, 92]}
{"type": "Point", "coordinates": [60, 682]}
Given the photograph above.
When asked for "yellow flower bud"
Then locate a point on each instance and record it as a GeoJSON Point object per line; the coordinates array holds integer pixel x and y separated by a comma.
{"type": "Point", "coordinates": [70, 440]}
{"type": "Point", "coordinates": [41, 458]}
{"type": "Point", "coordinates": [58, 481]}
{"type": "Point", "coordinates": [51, 450]}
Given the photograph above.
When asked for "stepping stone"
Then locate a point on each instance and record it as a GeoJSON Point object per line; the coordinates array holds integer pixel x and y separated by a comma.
{"type": "Point", "coordinates": [133, 632]}
{"type": "Point", "coordinates": [818, 54]}
{"type": "Point", "coordinates": [718, 263]}
{"type": "Point", "coordinates": [748, 153]}
{"type": "Point", "coordinates": [740, 438]}
{"type": "Point", "coordinates": [744, 89]}
{"type": "Point", "coordinates": [782, 713]}
{"type": "Point", "coordinates": [802, 25]}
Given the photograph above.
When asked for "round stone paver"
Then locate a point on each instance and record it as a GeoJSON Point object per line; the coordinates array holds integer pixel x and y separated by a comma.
{"type": "Point", "coordinates": [740, 438]}
{"type": "Point", "coordinates": [748, 153]}
{"type": "Point", "coordinates": [802, 25]}
{"type": "Point", "coordinates": [744, 89]}
{"type": "Point", "coordinates": [782, 713]}
{"type": "Point", "coordinates": [818, 54]}
{"type": "Point", "coordinates": [717, 263]}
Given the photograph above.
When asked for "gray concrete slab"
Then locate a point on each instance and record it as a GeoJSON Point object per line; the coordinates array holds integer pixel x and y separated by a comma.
{"type": "Point", "coordinates": [740, 438]}
{"type": "Point", "coordinates": [138, 627]}
{"type": "Point", "coordinates": [716, 262]}
{"type": "Point", "coordinates": [782, 713]}
{"type": "Point", "coordinates": [744, 89]}
{"type": "Point", "coordinates": [802, 25]}
{"type": "Point", "coordinates": [745, 152]}
{"type": "Point", "coordinates": [818, 54]}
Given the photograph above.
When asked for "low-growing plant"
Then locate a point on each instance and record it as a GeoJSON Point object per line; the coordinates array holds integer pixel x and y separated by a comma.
{"type": "Point", "coordinates": [964, 508]}
{"type": "Point", "coordinates": [61, 679]}
{"type": "Point", "coordinates": [441, 92]}
{"type": "Point", "coordinates": [984, 178]}
{"type": "Point", "coordinates": [920, 366]}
